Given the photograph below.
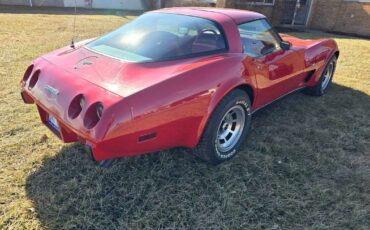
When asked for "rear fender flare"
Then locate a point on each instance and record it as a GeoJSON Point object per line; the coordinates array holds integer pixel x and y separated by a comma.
{"type": "Point", "coordinates": [219, 93]}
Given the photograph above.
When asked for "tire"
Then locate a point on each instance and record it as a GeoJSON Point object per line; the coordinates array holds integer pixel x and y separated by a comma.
{"type": "Point", "coordinates": [216, 144]}
{"type": "Point", "coordinates": [325, 79]}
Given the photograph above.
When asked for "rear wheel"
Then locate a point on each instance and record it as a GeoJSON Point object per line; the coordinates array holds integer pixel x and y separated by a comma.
{"type": "Point", "coordinates": [325, 79]}
{"type": "Point", "coordinates": [227, 128]}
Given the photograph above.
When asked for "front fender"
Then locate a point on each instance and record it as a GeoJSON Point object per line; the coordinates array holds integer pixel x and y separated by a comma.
{"type": "Point", "coordinates": [317, 57]}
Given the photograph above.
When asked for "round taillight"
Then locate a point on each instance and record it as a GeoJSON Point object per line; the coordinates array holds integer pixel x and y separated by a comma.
{"type": "Point", "coordinates": [76, 106]}
{"type": "Point", "coordinates": [93, 115]}
{"type": "Point", "coordinates": [34, 79]}
{"type": "Point", "coordinates": [28, 72]}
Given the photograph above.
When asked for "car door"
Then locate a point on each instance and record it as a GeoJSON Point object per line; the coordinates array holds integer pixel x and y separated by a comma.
{"type": "Point", "coordinates": [277, 70]}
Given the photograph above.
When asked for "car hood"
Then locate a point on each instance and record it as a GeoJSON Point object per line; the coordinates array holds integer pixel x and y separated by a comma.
{"type": "Point", "coordinates": [118, 76]}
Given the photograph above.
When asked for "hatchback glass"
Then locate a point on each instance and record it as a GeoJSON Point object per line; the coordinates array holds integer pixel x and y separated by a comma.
{"type": "Point", "coordinates": [161, 36]}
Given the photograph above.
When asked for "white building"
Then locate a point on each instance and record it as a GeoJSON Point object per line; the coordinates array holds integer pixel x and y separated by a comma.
{"type": "Point", "coordinates": [96, 4]}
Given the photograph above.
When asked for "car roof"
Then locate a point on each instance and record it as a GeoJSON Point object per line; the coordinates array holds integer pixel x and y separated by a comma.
{"type": "Point", "coordinates": [238, 16]}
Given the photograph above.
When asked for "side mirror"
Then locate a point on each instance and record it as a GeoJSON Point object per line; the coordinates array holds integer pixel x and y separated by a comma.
{"type": "Point", "coordinates": [285, 45]}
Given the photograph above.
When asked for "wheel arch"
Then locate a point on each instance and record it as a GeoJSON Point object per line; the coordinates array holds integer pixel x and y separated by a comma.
{"type": "Point", "coordinates": [246, 87]}
{"type": "Point", "coordinates": [318, 72]}
{"type": "Point", "coordinates": [249, 90]}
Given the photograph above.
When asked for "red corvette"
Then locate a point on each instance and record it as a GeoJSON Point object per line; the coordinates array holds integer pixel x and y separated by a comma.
{"type": "Point", "coordinates": [177, 77]}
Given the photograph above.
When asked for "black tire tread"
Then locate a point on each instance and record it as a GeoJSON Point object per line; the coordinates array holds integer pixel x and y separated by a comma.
{"type": "Point", "coordinates": [316, 90]}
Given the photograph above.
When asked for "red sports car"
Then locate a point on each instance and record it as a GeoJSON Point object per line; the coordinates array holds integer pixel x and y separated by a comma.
{"type": "Point", "coordinates": [177, 77]}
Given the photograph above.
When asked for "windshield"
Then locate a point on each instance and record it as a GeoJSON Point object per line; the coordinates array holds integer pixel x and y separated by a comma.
{"type": "Point", "coordinates": [161, 36]}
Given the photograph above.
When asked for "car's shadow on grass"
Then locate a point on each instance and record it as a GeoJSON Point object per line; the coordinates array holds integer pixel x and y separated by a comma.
{"type": "Point", "coordinates": [305, 164]}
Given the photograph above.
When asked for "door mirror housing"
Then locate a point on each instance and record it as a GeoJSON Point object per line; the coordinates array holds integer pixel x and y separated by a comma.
{"type": "Point", "coordinates": [285, 45]}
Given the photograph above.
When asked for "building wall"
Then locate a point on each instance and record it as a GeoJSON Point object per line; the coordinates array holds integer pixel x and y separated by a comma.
{"type": "Point", "coordinates": [118, 4]}
{"type": "Point", "coordinates": [78, 3]}
{"type": "Point", "coordinates": [176, 3]}
{"type": "Point", "coordinates": [273, 13]}
{"type": "Point", "coordinates": [97, 4]}
{"type": "Point", "coordinates": [346, 16]}
{"type": "Point", "coordinates": [34, 2]}
{"type": "Point", "coordinates": [341, 16]}
{"type": "Point", "coordinates": [14, 2]}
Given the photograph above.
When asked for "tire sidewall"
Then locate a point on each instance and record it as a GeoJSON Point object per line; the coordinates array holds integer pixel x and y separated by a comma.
{"type": "Point", "coordinates": [334, 60]}
{"type": "Point", "coordinates": [244, 102]}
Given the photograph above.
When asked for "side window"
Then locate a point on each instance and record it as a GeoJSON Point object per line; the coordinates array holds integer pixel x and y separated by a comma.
{"type": "Point", "coordinates": [203, 36]}
{"type": "Point", "coordinates": [258, 38]}
{"type": "Point", "coordinates": [208, 38]}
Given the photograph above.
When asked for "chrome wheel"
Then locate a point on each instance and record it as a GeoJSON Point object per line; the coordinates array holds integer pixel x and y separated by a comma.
{"type": "Point", "coordinates": [230, 129]}
{"type": "Point", "coordinates": [327, 75]}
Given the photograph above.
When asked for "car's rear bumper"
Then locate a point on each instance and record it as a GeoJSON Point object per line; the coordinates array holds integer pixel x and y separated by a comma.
{"type": "Point", "coordinates": [65, 131]}
{"type": "Point", "coordinates": [100, 149]}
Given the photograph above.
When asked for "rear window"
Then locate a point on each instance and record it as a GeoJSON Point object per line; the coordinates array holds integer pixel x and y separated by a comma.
{"type": "Point", "coordinates": [161, 36]}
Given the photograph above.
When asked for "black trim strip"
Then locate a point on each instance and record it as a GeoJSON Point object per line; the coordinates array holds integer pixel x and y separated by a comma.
{"type": "Point", "coordinates": [309, 75]}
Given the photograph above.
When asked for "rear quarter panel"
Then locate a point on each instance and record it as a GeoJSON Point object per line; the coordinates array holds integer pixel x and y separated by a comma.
{"type": "Point", "coordinates": [177, 109]}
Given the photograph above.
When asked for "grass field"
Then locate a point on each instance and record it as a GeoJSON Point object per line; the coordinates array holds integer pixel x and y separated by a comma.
{"type": "Point", "coordinates": [306, 164]}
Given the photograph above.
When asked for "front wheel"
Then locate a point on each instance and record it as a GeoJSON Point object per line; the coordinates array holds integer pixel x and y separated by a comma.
{"type": "Point", "coordinates": [227, 128]}
{"type": "Point", "coordinates": [325, 79]}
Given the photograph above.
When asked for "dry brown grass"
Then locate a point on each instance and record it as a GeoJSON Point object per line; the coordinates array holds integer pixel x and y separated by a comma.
{"type": "Point", "coordinates": [305, 165]}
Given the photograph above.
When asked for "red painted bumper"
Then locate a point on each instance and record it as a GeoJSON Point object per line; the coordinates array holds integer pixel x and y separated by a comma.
{"type": "Point", "coordinates": [66, 133]}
